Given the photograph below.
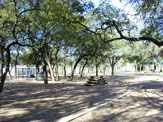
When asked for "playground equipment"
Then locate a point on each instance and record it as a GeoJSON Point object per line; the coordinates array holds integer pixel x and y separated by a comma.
{"type": "Point", "coordinates": [22, 71]}
{"type": "Point", "coordinates": [25, 72]}
{"type": "Point", "coordinates": [98, 81]}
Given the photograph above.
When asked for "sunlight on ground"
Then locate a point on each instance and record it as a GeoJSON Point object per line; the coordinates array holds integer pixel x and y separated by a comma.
{"type": "Point", "coordinates": [134, 107]}
{"type": "Point", "coordinates": [37, 121]}
{"type": "Point", "coordinates": [146, 78]}
{"type": "Point", "coordinates": [152, 112]}
{"type": "Point", "coordinates": [13, 111]}
{"type": "Point", "coordinates": [32, 100]}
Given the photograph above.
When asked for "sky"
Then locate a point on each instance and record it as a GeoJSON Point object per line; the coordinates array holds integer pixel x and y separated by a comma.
{"type": "Point", "coordinates": [115, 3]}
{"type": "Point", "coordinates": [118, 4]}
{"type": "Point", "coordinates": [128, 9]}
{"type": "Point", "coordinates": [96, 2]}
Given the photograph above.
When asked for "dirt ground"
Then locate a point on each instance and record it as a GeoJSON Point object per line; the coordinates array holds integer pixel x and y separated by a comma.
{"type": "Point", "coordinates": [142, 106]}
{"type": "Point", "coordinates": [28, 100]}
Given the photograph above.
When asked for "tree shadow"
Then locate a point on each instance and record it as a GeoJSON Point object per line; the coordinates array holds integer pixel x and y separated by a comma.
{"type": "Point", "coordinates": [25, 101]}
{"type": "Point", "coordinates": [138, 107]}
{"type": "Point", "coordinates": [145, 110]}
{"type": "Point", "coordinates": [148, 85]}
{"type": "Point", "coordinates": [33, 101]}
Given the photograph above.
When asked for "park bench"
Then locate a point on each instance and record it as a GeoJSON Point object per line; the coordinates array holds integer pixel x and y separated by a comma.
{"type": "Point", "coordinates": [95, 81]}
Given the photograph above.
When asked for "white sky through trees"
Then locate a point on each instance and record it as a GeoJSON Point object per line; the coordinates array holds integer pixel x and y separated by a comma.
{"type": "Point", "coordinates": [116, 3]}
{"type": "Point", "coordinates": [128, 9]}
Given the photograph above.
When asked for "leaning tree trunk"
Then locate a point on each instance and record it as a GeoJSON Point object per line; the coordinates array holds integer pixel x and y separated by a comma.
{"type": "Point", "coordinates": [45, 74]}
{"type": "Point", "coordinates": [3, 78]}
{"type": "Point", "coordinates": [10, 72]}
{"type": "Point", "coordinates": [81, 74]}
{"type": "Point", "coordinates": [51, 70]}
{"type": "Point", "coordinates": [6, 66]}
{"type": "Point", "coordinates": [71, 66]}
{"type": "Point", "coordinates": [80, 68]}
{"type": "Point", "coordinates": [57, 73]}
{"type": "Point", "coordinates": [73, 70]}
{"type": "Point", "coordinates": [52, 73]}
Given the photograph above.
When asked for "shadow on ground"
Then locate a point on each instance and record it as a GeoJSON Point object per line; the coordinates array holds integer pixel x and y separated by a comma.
{"type": "Point", "coordinates": [24, 102]}
{"type": "Point", "coordinates": [144, 105]}
{"type": "Point", "coordinates": [28, 101]}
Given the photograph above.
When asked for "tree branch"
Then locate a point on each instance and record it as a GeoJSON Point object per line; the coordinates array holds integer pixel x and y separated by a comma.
{"type": "Point", "coordinates": [19, 44]}
{"type": "Point", "coordinates": [132, 39]}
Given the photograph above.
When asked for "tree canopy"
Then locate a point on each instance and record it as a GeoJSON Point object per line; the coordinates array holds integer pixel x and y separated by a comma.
{"type": "Point", "coordinates": [151, 13]}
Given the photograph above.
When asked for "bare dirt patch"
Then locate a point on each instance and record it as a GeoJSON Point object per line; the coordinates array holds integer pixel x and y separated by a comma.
{"type": "Point", "coordinates": [140, 106]}
{"type": "Point", "coordinates": [30, 100]}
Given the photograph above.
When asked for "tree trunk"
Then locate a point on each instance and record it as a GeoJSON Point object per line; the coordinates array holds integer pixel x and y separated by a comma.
{"type": "Point", "coordinates": [10, 74]}
{"type": "Point", "coordinates": [97, 69]}
{"type": "Point", "coordinates": [15, 70]}
{"type": "Point", "coordinates": [57, 73]}
{"type": "Point", "coordinates": [51, 71]}
{"type": "Point", "coordinates": [64, 70]}
{"type": "Point", "coordinates": [81, 74]}
{"type": "Point", "coordinates": [3, 78]}
{"type": "Point", "coordinates": [136, 66]}
{"type": "Point", "coordinates": [37, 70]}
{"type": "Point", "coordinates": [104, 69]}
{"type": "Point", "coordinates": [140, 68]}
{"type": "Point", "coordinates": [112, 70]}
{"type": "Point", "coordinates": [45, 74]}
{"type": "Point", "coordinates": [7, 65]}
{"type": "Point", "coordinates": [80, 68]}
{"type": "Point", "coordinates": [71, 67]}
{"type": "Point", "coordinates": [73, 70]}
